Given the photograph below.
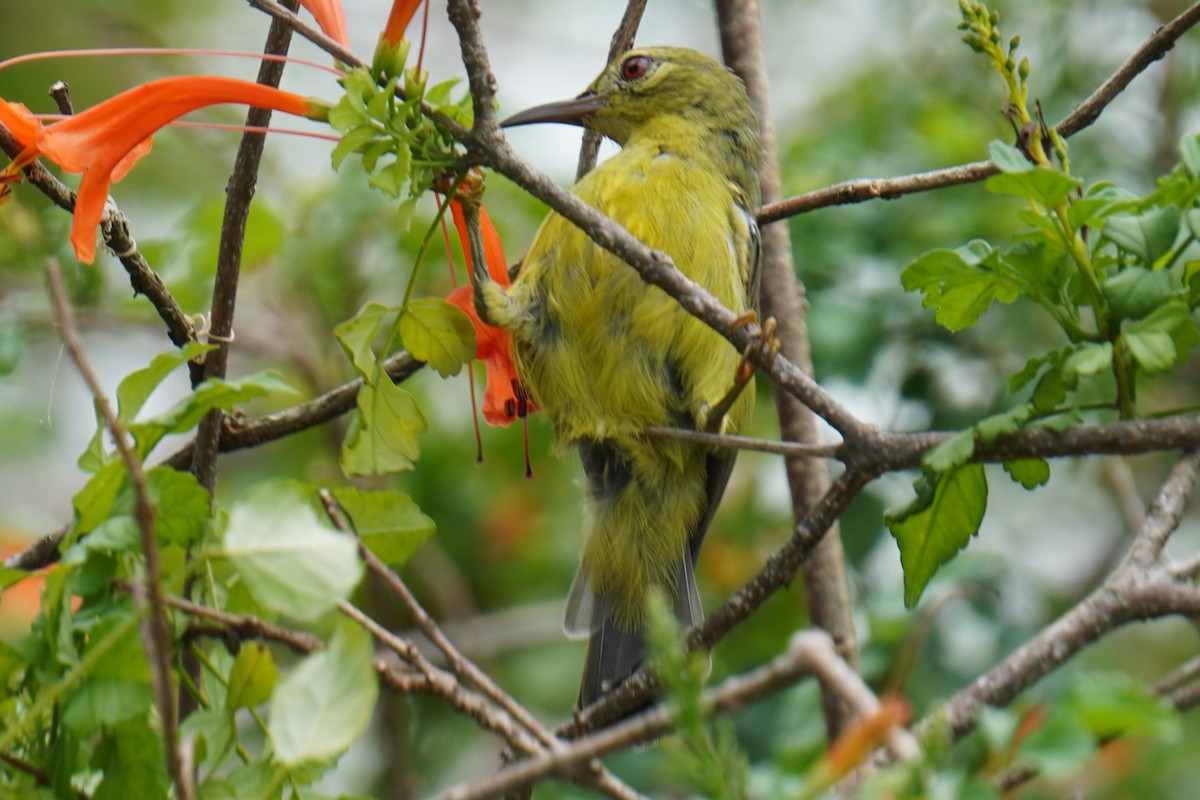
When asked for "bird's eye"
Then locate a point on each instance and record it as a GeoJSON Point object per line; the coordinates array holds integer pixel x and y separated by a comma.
{"type": "Point", "coordinates": [634, 67]}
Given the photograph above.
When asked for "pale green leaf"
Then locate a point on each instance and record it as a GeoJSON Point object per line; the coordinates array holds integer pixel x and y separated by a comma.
{"type": "Point", "coordinates": [438, 333]}
{"type": "Point", "coordinates": [322, 706]}
{"type": "Point", "coordinates": [389, 523]}
{"type": "Point", "coordinates": [357, 334]}
{"type": "Point", "coordinates": [383, 437]}
{"type": "Point", "coordinates": [1148, 235]}
{"type": "Point", "coordinates": [959, 289]}
{"type": "Point", "coordinates": [292, 561]}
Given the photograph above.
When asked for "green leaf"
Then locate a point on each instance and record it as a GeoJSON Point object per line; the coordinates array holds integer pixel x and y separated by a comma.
{"type": "Point", "coordinates": [383, 438]}
{"type": "Point", "coordinates": [1089, 359]}
{"type": "Point", "coordinates": [357, 334]}
{"type": "Point", "coordinates": [959, 288]}
{"type": "Point", "coordinates": [213, 393]}
{"type": "Point", "coordinates": [100, 702]}
{"type": "Point", "coordinates": [391, 179]}
{"type": "Point", "coordinates": [214, 733]}
{"type": "Point", "coordinates": [353, 141]}
{"type": "Point", "coordinates": [118, 684]}
{"type": "Point", "coordinates": [1059, 746]}
{"type": "Point", "coordinates": [1043, 185]}
{"type": "Point", "coordinates": [937, 524]}
{"type": "Point", "coordinates": [183, 508]}
{"type": "Point", "coordinates": [1148, 235]}
{"type": "Point", "coordinates": [131, 758]}
{"type": "Point", "coordinates": [93, 504]}
{"type": "Point", "coordinates": [1163, 337]}
{"type": "Point", "coordinates": [1112, 704]}
{"type": "Point", "coordinates": [1189, 151]}
{"type": "Point", "coordinates": [1154, 351]}
{"type": "Point", "coordinates": [136, 387]}
{"type": "Point", "coordinates": [322, 706]}
{"type": "Point", "coordinates": [1029, 472]}
{"type": "Point", "coordinates": [292, 561]}
{"type": "Point", "coordinates": [1135, 291]}
{"type": "Point", "coordinates": [954, 452]}
{"type": "Point", "coordinates": [1007, 157]}
{"type": "Point", "coordinates": [389, 523]}
{"type": "Point", "coordinates": [252, 678]}
{"type": "Point", "coordinates": [437, 333]}
{"type": "Point", "coordinates": [990, 428]}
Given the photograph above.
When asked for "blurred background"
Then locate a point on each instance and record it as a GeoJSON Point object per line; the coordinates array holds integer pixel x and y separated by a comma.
{"type": "Point", "coordinates": [860, 88]}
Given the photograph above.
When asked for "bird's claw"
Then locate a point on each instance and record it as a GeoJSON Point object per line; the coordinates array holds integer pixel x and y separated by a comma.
{"type": "Point", "coordinates": [765, 346]}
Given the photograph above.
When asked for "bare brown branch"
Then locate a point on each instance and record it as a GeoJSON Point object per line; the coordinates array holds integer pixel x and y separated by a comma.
{"type": "Point", "coordinates": [156, 633]}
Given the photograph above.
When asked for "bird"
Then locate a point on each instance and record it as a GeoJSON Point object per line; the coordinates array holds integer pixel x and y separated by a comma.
{"type": "Point", "coordinates": [606, 355]}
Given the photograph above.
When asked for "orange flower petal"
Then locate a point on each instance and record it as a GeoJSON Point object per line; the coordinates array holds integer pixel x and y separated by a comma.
{"type": "Point", "coordinates": [331, 18]}
{"type": "Point", "coordinates": [398, 19]}
{"type": "Point", "coordinates": [103, 142]}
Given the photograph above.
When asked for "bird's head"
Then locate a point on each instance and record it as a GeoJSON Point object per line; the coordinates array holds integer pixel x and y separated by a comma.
{"type": "Point", "coordinates": [647, 83]}
{"type": "Point", "coordinates": [694, 95]}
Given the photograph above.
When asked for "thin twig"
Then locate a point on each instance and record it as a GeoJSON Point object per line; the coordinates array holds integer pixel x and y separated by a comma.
{"type": "Point", "coordinates": [459, 663]}
{"type": "Point", "coordinates": [1083, 115]}
{"type": "Point", "coordinates": [729, 697]}
{"type": "Point", "coordinates": [238, 194]}
{"type": "Point", "coordinates": [1139, 589]}
{"type": "Point", "coordinates": [622, 40]}
{"type": "Point", "coordinates": [156, 634]}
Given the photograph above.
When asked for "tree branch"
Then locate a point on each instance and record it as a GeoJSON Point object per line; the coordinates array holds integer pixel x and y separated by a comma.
{"type": "Point", "coordinates": [155, 632]}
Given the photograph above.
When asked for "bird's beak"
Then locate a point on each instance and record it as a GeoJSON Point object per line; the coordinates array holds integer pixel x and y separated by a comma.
{"type": "Point", "coordinates": [570, 112]}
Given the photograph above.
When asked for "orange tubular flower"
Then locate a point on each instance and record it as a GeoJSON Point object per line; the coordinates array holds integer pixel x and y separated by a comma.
{"type": "Point", "coordinates": [330, 17]}
{"type": "Point", "coordinates": [103, 142]}
{"type": "Point", "coordinates": [401, 14]}
{"type": "Point", "coordinates": [504, 398]}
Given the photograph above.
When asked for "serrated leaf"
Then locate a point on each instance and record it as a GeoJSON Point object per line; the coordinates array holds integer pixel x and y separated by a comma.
{"type": "Point", "coordinates": [292, 561]}
{"type": "Point", "coordinates": [1154, 351]}
{"type": "Point", "coordinates": [1148, 235]}
{"type": "Point", "coordinates": [357, 334]}
{"type": "Point", "coordinates": [437, 333]}
{"type": "Point", "coordinates": [252, 678]}
{"type": "Point", "coordinates": [389, 523]}
{"type": "Point", "coordinates": [322, 706]}
{"type": "Point", "coordinates": [954, 452]}
{"type": "Point", "coordinates": [1088, 359]}
{"type": "Point", "coordinates": [1007, 157]}
{"type": "Point", "coordinates": [1029, 472]}
{"type": "Point", "coordinates": [959, 291]}
{"type": "Point", "coordinates": [1043, 185]}
{"type": "Point", "coordinates": [1135, 291]}
{"type": "Point", "coordinates": [990, 428]}
{"type": "Point", "coordinates": [937, 524]}
{"type": "Point", "coordinates": [100, 702]}
{"type": "Point", "coordinates": [383, 438]}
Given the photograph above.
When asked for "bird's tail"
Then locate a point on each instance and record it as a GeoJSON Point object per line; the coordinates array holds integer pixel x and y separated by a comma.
{"type": "Point", "coordinates": [615, 652]}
